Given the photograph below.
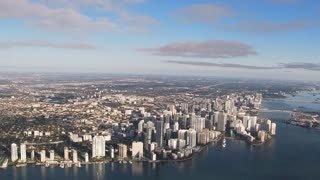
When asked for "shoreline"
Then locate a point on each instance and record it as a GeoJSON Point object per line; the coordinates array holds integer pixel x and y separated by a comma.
{"type": "Point", "coordinates": [118, 161]}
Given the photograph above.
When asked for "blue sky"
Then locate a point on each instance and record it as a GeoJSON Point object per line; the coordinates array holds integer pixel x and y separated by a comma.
{"type": "Point", "coordinates": [233, 38]}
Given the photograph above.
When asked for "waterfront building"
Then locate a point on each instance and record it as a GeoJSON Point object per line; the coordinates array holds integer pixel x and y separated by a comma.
{"type": "Point", "coordinates": [32, 155]}
{"type": "Point", "coordinates": [111, 152]}
{"type": "Point", "coordinates": [253, 121]}
{"type": "Point", "coordinates": [23, 152]}
{"type": "Point", "coordinates": [247, 122]}
{"type": "Point", "coordinates": [51, 155]}
{"type": "Point", "coordinates": [66, 153]}
{"type": "Point", "coordinates": [98, 146]}
{"type": "Point", "coordinates": [153, 156]}
{"type": "Point", "coordinates": [262, 136]}
{"type": "Point", "coordinates": [202, 138]}
{"type": "Point", "coordinates": [222, 121]}
{"type": "Point", "coordinates": [74, 156]}
{"type": "Point", "coordinates": [122, 150]}
{"type": "Point", "coordinates": [148, 137]}
{"type": "Point", "coordinates": [43, 155]}
{"type": "Point", "coordinates": [137, 149]}
{"type": "Point", "coordinates": [269, 125]}
{"type": "Point", "coordinates": [192, 136]}
{"type": "Point", "coordinates": [14, 152]}
{"type": "Point", "coordinates": [86, 157]}
{"type": "Point", "coordinates": [273, 129]}
{"type": "Point", "coordinates": [159, 133]}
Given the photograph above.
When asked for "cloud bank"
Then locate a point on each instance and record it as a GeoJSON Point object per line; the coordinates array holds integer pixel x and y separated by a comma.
{"type": "Point", "coordinates": [295, 65]}
{"type": "Point", "coordinates": [207, 49]}
{"type": "Point", "coordinates": [262, 27]}
{"type": "Point", "coordinates": [67, 16]}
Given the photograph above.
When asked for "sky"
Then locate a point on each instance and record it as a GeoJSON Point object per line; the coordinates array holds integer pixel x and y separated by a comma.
{"type": "Point", "coordinates": [278, 39]}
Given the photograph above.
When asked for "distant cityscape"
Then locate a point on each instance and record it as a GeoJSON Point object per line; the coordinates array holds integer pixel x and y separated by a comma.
{"type": "Point", "coordinates": [73, 123]}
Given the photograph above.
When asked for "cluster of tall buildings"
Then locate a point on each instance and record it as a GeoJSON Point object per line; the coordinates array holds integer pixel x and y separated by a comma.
{"type": "Point", "coordinates": [178, 128]}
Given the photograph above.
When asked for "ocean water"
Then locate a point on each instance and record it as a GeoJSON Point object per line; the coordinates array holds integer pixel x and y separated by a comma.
{"type": "Point", "coordinates": [292, 154]}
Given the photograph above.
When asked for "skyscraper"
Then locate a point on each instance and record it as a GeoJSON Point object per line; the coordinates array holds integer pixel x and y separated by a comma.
{"type": "Point", "coordinates": [23, 152]}
{"type": "Point", "coordinates": [273, 129]}
{"type": "Point", "coordinates": [86, 157]}
{"type": "Point", "coordinates": [43, 155]}
{"type": "Point", "coordinates": [51, 155]}
{"type": "Point", "coordinates": [14, 152]}
{"type": "Point", "coordinates": [98, 147]}
{"type": "Point", "coordinates": [140, 126]}
{"type": "Point", "coordinates": [192, 136]}
{"type": "Point", "coordinates": [74, 156]}
{"type": "Point", "coordinates": [66, 153]}
{"type": "Point", "coordinates": [222, 121]}
{"type": "Point", "coordinates": [159, 133]}
{"type": "Point", "coordinates": [137, 149]}
{"type": "Point", "coordinates": [193, 121]}
{"type": "Point", "coordinates": [122, 150]}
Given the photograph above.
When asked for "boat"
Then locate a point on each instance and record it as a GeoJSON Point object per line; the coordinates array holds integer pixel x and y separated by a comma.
{"type": "Point", "coordinates": [224, 144]}
{"type": "Point", "coordinates": [78, 164]}
{"type": "Point", "coordinates": [62, 165]}
{"type": "Point", "coordinates": [47, 164]}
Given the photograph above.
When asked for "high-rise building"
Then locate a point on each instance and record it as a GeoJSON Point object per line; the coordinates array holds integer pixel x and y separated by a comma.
{"type": "Point", "coordinates": [222, 121]}
{"type": "Point", "coordinates": [175, 127]}
{"type": "Point", "coordinates": [137, 149]}
{"type": "Point", "coordinates": [122, 150]}
{"type": "Point", "coordinates": [43, 155]}
{"type": "Point", "coordinates": [269, 125]}
{"type": "Point", "coordinates": [193, 120]}
{"type": "Point", "coordinates": [192, 136]}
{"type": "Point", "coordinates": [51, 157]}
{"type": "Point", "coordinates": [273, 129]}
{"type": "Point", "coordinates": [32, 155]}
{"type": "Point", "coordinates": [184, 121]}
{"type": "Point", "coordinates": [159, 133]}
{"type": "Point", "coordinates": [202, 138]}
{"type": "Point", "coordinates": [66, 153]}
{"type": "Point", "coordinates": [183, 134]}
{"type": "Point", "coordinates": [74, 156]}
{"type": "Point", "coordinates": [173, 143]}
{"type": "Point", "coordinates": [247, 122]}
{"type": "Point", "coordinates": [86, 157]}
{"type": "Point", "coordinates": [181, 143]}
{"type": "Point", "coordinates": [200, 124]}
{"type": "Point", "coordinates": [23, 152]}
{"type": "Point", "coordinates": [111, 152]}
{"type": "Point", "coordinates": [140, 126]}
{"type": "Point", "coordinates": [14, 152]}
{"type": "Point", "coordinates": [98, 146]}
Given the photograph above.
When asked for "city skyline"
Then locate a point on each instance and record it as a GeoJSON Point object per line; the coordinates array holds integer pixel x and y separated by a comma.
{"type": "Point", "coordinates": [269, 38]}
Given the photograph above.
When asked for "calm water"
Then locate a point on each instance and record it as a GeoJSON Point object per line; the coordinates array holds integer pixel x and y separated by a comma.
{"type": "Point", "coordinates": [292, 154]}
